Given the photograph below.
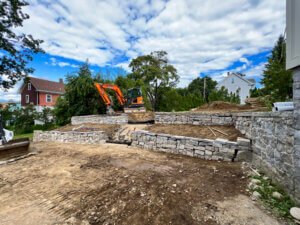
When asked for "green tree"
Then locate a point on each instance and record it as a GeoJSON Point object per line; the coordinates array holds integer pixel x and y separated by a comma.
{"type": "Point", "coordinates": [223, 95]}
{"type": "Point", "coordinates": [17, 49]}
{"type": "Point", "coordinates": [46, 116]}
{"type": "Point", "coordinates": [61, 111]}
{"type": "Point", "coordinates": [7, 114]}
{"type": "Point", "coordinates": [197, 86]}
{"type": "Point", "coordinates": [277, 80]}
{"type": "Point", "coordinates": [80, 98]}
{"type": "Point", "coordinates": [24, 119]}
{"type": "Point", "coordinates": [155, 73]}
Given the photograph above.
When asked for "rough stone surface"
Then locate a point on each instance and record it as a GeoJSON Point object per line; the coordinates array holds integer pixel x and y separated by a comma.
{"type": "Point", "coordinates": [256, 195]}
{"type": "Point", "coordinates": [277, 195]}
{"type": "Point", "coordinates": [100, 119]}
{"type": "Point", "coordinates": [219, 149]}
{"type": "Point", "coordinates": [272, 141]}
{"type": "Point", "coordinates": [193, 118]}
{"type": "Point", "coordinates": [296, 115]}
{"type": "Point", "coordinates": [95, 137]}
{"type": "Point", "coordinates": [295, 212]}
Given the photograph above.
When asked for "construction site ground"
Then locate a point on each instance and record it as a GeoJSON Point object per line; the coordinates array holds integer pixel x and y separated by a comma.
{"type": "Point", "coordinates": [226, 107]}
{"type": "Point", "coordinates": [119, 184]}
{"type": "Point", "coordinates": [208, 132]}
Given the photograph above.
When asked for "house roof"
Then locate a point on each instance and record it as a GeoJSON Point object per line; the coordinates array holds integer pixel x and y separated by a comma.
{"type": "Point", "coordinates": [47, 85]}
{"type": "Point", "coordinates": [249, 81]}
{"type": "Point", "coordinates": [243, 78]}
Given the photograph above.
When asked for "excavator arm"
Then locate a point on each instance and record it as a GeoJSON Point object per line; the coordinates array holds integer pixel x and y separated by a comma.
{"type": "Point", "coordinates": [103, 94]}
{"type": "Point", "coordinates": [135, 99]}
{"type": "Point", "coordinates": [118, 92]}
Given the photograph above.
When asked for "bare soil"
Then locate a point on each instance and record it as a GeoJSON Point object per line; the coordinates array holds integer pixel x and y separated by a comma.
{"type": "Point", "coordinates": [209, 132]}
{"type": "Point", "coordinates": [109, 129]}
{"type": "Point", "coordinates": [221, 107]}
{"type": "Point", "coordinates": [139, 117]}
{"type": "Point", "coordinates": [117, 184]}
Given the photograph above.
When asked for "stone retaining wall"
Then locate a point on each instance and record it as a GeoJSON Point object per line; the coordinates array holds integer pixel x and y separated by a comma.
{"type": "Point", "coordinates": [193, 118]}
{"type": "Point", "coordinates": [95, 137]}
{"type": "Point", "coordinates": [296, 152]}
{"type": "Point", "coordinates": [100, 119]}
{"type": "Point", "coordinates": [219, 149]}
{"type": "Point", "coordinates": [272, 136]}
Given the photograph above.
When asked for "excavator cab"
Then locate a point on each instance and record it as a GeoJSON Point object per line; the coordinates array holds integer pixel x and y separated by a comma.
{"type": "Point", "coordinates": [134, 98]}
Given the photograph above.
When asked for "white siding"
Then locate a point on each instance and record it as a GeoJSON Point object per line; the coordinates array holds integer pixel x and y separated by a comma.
{"type": "Point", "coordinates": [237, 84]}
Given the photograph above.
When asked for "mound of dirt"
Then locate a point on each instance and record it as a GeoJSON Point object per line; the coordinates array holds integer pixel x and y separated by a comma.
{"type": "Point", "coordinates": [219, 105]}
{"type": "Point", "coordinates": [210, 132]}
{"type": "Point", "coordinates": [140, 117]}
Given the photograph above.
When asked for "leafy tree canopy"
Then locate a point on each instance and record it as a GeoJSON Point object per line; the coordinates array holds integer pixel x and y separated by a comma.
{"type": "Point", "coordinates": [17, 49]}
{"type": "Point", "coordinates": [80, 98]}
{"type": "Point", "coordinates": [155, 73]}
{"type": "Point", "coordinates": [197, 86]}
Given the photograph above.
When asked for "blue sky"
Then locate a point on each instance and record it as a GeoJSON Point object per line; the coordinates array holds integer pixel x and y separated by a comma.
{"type": "Point", "coordinates": [201, 37]}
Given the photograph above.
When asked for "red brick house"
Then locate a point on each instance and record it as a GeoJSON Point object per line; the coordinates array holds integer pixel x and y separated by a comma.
{"type": "Point", "coordinates": [41, 93]}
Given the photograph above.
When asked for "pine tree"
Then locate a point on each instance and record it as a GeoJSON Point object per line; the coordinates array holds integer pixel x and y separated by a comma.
{"type": "Point", "coordinates": [277, 80]}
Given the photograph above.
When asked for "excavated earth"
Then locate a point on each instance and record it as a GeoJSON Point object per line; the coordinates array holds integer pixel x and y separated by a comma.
{"type": "Point", "coordinates": [119, 184]}
{"type": "Point", "coordinates": [209, 132]}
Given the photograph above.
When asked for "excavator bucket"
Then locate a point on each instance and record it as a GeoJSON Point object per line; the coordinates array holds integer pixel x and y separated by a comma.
{"type": "Point", "coordinates": [14, 148]}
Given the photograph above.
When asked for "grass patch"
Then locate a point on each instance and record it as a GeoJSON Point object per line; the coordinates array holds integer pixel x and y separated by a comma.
{"type": "Point", "coordinates": [29, 135]}
{"type": "Point", "coordinates": [280, 207]}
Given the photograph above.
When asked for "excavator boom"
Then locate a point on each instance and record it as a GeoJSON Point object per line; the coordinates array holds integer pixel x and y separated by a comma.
{"type": "Point", "coordinates": [134, 101]}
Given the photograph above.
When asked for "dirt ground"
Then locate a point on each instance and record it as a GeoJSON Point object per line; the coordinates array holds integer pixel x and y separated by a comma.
{"type": "Point", "coordinates": [118, 184]}
{"type": "Point", "coordinates": [210, 132]}
{"type": "Point", "coordinates": [140, 117]}
{"type": "Point", "coordinates": [223, 107]}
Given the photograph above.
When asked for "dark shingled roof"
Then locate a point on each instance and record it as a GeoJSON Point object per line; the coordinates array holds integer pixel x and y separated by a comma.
{"type": "Point", "coordinates": [251, 80]}
{"type": "Point", "coordinates": [47, 85]}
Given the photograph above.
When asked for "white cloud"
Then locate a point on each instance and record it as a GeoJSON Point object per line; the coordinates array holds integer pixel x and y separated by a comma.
{"type": "Point", "coordinates": [55, 62]}
{"type": "Point", "coordinates": [256, 71]}
{"type": "Point", "coordinates": [11, 94]}
{"type": "Point", "coordinates": [199, 35]}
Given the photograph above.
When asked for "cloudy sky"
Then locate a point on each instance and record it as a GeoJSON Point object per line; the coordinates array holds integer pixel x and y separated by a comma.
{"type": "Point", "coordinates": [202, 37]}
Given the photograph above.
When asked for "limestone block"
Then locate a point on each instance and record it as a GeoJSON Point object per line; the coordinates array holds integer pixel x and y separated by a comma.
{"type": "Point", "coordinates": [243, 141]}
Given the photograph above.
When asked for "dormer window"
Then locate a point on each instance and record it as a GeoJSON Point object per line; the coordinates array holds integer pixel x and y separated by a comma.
{"type": "Point", "coordinates": [29, 86]}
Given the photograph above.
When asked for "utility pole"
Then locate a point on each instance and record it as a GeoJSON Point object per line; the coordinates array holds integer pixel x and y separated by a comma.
{"type": "Point", "coordinates": [204, 87]}
{"type": "Point", "coordinates": [293, 64]}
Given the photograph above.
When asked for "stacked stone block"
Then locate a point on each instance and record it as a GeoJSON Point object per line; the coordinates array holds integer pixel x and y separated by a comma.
{"type": "Point", "coordinates": [95, 137]}
{"type": "Point", "coordinates": [272, 135]}
{"type": "Point", "coordinates": [219, 149]}
{"type": "Point", "coordinates": [193, 118]}
{"type": "Point", "coordinates": [100, 119]}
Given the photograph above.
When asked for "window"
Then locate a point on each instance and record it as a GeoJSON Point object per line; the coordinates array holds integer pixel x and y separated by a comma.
{"type": "Point", "coordinates": [29, 86]}
{"type": "Point", "coordinates": [27, 98]}
{"type": "Point", "coordinates": [48, 98]}
{"type": "Point", "coordinates": [232, 80]}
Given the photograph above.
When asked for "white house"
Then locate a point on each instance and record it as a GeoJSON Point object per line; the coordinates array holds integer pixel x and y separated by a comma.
{"type": "Point", "coordinates": [237, 83]}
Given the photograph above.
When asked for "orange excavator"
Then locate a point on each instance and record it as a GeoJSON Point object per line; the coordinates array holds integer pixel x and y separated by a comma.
{"type": "Point", "coordinates": [132, 103]}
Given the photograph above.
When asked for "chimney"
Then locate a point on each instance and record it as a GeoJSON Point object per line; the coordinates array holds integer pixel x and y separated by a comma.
{"type": "Point", "coordinates": [61, 81]}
